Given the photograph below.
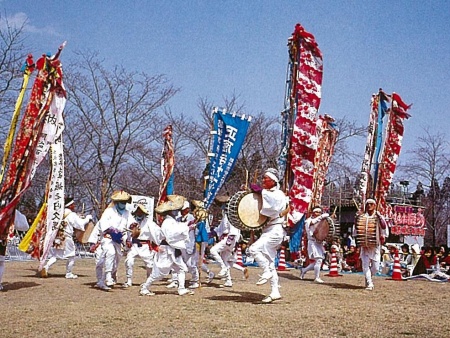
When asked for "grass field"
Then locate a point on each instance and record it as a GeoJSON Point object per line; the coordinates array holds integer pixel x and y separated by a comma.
{"type": "Point", "coordinates": [341, 307]}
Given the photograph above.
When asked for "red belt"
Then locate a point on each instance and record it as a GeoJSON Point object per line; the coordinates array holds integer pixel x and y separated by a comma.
{"type": "Point", "coordinates": [145, 242]}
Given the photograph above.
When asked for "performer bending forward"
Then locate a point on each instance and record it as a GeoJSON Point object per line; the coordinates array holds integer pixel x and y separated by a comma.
{"type": "Point", "coordinates": [171, 240]}
{"type": "Point", "coordinates": [315, 248]}
{"type": "Point", "coordinates": [264, 250]}
{"type": "Point", "coordinates": [115, 220]}
{"type": "Point", "coordinates": [223, 251]}
{"type": "Point", "coordinates": [371, 255]}
{"type": "Point", "coordinates": [141, 246]}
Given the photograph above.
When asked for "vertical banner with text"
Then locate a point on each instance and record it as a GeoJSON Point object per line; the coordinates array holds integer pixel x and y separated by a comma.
{"type": "Point", "coordinates": [229, 135]}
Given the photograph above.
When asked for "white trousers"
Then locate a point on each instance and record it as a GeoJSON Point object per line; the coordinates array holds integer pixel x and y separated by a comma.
{"type": "Point", "coordinates": [145, 253]}
{"type": "Point", "coordinates": [264, 251]}
{"type": "Point", "coordinates": [112, 253]}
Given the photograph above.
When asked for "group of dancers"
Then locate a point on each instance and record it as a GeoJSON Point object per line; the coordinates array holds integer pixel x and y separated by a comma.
{"type": "Point", "coordinates": [170, 248]}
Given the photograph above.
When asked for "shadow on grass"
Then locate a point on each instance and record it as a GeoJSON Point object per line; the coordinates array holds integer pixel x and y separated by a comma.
{"type": "Point", "coordinates": [238, 297]}
{"type": "Point", "coordinates": [288, 275]}
{"type": "Point", "coordinates": [343, 286]}
{"type": "Point", "coordinates": [19, 285]}
{"type": "Point", "coordinates": [327, 282]}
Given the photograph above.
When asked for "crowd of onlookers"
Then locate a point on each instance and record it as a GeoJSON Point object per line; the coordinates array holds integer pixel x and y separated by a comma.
{"type": "Point", "coordinates": [414, 260]}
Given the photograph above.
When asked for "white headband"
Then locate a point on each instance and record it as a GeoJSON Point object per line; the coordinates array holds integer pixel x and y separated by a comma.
{"type": "Point", "coordinates": [317, 210]}
{"type": "Point", "coordinates": [370, 200]}
{"type": "Point", "coordinates": [271, 176]}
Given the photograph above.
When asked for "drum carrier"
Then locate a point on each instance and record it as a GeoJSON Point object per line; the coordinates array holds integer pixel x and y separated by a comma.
{"type": "Point", "coordinates": [243, 211]}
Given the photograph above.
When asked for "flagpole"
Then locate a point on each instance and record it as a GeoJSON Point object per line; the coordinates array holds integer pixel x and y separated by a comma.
{"type": "Point", "coordinates": [27, 68]}
{"type": "Point", "coordinates": [200, 247]}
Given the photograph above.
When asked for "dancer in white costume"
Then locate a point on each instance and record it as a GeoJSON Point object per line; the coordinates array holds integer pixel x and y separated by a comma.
{"type": "Point", "coordinates": [140, 244]}
{"type": "Point", "coordinates": [371, 256]}
{"type": "Point", "coordinates": [316, 250]}
{"type": "Point", "coordinates": [264, 250]}
{"type": "Point", "coordinates": [115, 221]}
{"type": "Point", "coordinates": [63, 245]}
{"type": "Point", "coordinates": [171, 240]}
{"type": "Point", "coordinates": [223, 251]}
{"type": "Point", "coordinates": [190, 254]}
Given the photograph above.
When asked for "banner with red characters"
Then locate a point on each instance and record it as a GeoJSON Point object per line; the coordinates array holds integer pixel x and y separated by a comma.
{"type": "Point", "coordinates": [408, 220]}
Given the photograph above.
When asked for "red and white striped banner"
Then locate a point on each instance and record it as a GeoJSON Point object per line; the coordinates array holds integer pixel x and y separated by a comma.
{"type": "Point", "coordinates": [390, 152]}
{"type": "Point", "coordinates": [306, 94]}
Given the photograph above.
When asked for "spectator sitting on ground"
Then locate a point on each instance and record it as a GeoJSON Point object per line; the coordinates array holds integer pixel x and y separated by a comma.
{"type": "Point", "coordinates": [387, 259]}
{"type": "Point", "coordinates": [405, 259]}
{"type": "Point", "coordinates": [444, 259]}
{"type": "Point", "coordinates": [426, 263]}
{"type": "Point", "coordinates": [415, 253]}
{"type": "Point", "coordinates": [352, 261]}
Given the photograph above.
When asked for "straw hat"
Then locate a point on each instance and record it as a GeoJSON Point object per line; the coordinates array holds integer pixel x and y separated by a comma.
{"type": "Point", "coordinates": [142, 208]}
{"type": "Point", "coordinates": [176, 198]}
{"type": "Point", "coordinates": [169, 205]}
{"type": "Point", "coordinates": [198, 204]}
{"type": "Point", "coordinates": [222, 198]}
{"type": "Point", "coordinates": [121, 196]}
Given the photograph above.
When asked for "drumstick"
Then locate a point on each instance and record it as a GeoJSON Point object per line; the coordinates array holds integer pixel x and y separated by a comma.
{"type": "Point", "coordinates": [246, 180]}
{"type": "Point", "coordinates": [334, 212]}
{"type": "Point", "coordinates": [255, 176]}
{"type": "Point", "coordinates": [285, 212]}
{"type": "Point", "coordinates": [356, 204]}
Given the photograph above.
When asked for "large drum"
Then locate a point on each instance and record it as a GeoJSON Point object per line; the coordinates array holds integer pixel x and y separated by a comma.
{"type": "Point", "coordinates": [83, 236]}
{"type": "Point", "coordinates": [322, 229]}
{"type": "Point", "coordinates": [243, 211]}
{"type": "Point", "coordinates": [366, 231]}
{"type": "Point", "coordinates": [334, 233]}
{"type": "Point", "coordinates": [326, 230]}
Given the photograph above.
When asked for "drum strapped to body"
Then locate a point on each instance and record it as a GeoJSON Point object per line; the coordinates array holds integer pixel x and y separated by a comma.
{"type": "Point", "coordinates": [243, 211]}
{"type": "Point", "coordinates": [83, 236]}
{"type": "Point", "coordinates": [326, 230]}
{"type": "Point", "coordinates": [334, 233]}
{"type": "Point", "coordinates": [366, 230]}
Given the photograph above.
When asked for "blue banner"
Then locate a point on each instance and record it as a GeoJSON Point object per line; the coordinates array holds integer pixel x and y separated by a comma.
{"type": "Point", "coordinates": [382, 110]}
{"type": "Point", "coordinates": [295, 242]}
{"type": "Point", "coordinates": [285, 141]}
{"type": "Point", "coordinates": [229, 135]}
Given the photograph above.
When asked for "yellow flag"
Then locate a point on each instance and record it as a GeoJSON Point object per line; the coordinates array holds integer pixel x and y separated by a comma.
{"type": "Point", "coordinates": [12, 128]}
{"type": "Point", "coordinates": [25, 243]}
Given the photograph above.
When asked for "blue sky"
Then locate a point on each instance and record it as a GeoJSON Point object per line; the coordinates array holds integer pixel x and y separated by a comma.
{"type": "Point", "coordinates": [212, 49]}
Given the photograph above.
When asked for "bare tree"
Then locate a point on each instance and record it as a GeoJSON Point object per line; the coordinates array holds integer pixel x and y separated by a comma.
{"type": "Point", "coordinates": [430, 164]}
{"type": "Point", "coordinates": [191, 138]}
{"type": "Point", "coordinates": [12, 56]}
{"type": "Point", "coordinates": [111, 121]}
{"type": "Point", "coordinates": [346, 162]}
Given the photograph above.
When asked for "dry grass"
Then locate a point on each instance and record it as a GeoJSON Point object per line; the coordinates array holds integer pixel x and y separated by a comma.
{"type": "Point", "coordinates": [56, 307]}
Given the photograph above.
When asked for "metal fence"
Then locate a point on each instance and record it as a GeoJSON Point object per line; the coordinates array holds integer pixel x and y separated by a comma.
{"type": "Point", "coordinates": [14, 254]}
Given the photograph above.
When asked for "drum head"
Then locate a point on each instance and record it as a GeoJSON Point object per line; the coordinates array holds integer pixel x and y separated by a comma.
{"type": "Point", "coordinates": [83, 236]}
{"type": "Point", "coordinates": [322, 229]}
{"type": "Point", "coordinates": [248, 211]}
